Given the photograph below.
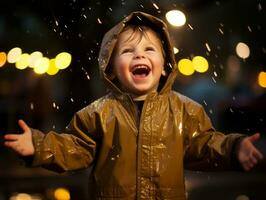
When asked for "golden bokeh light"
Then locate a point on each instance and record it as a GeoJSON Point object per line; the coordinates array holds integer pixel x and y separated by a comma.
{"type": "Point", "coordinates": [62, 194]}
{"type": "Point", "coordinates": [52, 69]}
{"type": "Point", "coordinates": [185, 67]}
{"type": "Point", "coordinates": [23, 61]}
{"type": "Point", "coordinates": [63, 60]}
{"type": "Point", "coordinates": [176, 17]}
{"type": "Point", "coordinates": [34, 57]}
{"type": "Point", "coordinates": [200, 64]}
{"type": "Point", "coordinates": [242, 50]}
{"type": "Point", "coordinates": [41, 65]}
{"type": "Point", "coordinates": [262, 79]}
{"type": "Point", "coordinates": [14, 54]}
{"type": "Point", "coordinates": [2, 59]}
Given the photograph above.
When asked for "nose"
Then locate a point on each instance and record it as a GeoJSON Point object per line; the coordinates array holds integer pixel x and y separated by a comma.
{"type": "Point", "coordinates": [139, 54]}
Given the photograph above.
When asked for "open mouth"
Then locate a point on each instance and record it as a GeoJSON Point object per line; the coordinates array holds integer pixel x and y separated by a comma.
{"type": "Point", "coordinates": [141, 70]}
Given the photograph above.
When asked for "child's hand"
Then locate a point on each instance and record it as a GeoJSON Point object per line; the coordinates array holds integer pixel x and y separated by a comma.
{"type": "Point", "coordinates": [248, 155]}
{"type": "Point", "coordinates": [21, 143]}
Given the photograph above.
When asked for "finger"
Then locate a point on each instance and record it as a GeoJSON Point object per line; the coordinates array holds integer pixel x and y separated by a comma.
{"type": "Point", "coordinates": [257, 154]}
{"type": "Point", "coordinates": [11, 145]}
{"type": "Point", "coordinates": [23, 125]}
{"type": "Point", "coordinates": [11, 137]}
{"type": "Point", "coordinates": [254, 138]}
{"type": "Point", "coordinates": [253, 161]}
{"type": "Point", "coordinates": [249, 165]}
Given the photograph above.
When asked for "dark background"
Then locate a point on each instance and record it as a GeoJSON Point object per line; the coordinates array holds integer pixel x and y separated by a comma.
{"type": "Point", "coordinates": [234, 103]}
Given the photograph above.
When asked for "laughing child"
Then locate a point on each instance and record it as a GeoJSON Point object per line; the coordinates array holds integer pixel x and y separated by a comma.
{"type": "Point", "coordinates": [140, 136]}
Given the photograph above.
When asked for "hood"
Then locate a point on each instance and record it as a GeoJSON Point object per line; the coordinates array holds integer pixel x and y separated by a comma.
{"type": "Point", "coordinates": [110, 39]}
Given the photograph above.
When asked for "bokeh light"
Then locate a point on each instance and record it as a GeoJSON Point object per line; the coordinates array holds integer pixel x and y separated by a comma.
{"type": "Point", "coordinates": [23, 61]}
{"type": "Point", "coordinates": [200, 64]}
{"type": "Point", "coordinates": [176, 17]}
{"type": "Point", "coordinates": [262, 79]}
{"type": "Point", "coordinates": [14, 54]}
{"type": "Point", "coordinates": [52, 69]}
{"type": "Point", "coordinates": [34, 57]}
{"type": "Point", "coordinates": [63, 60]}
{"type": "Point", "coordinates": [41, 65]}
{"type": "Point", "coordinates": [62, 194]}
{"type": "Point", "coordinates": [2, 59]}
{"type": "Point", "coordinates": [242, 50]}
{"type": "Point", "coordinates": [185, 67]}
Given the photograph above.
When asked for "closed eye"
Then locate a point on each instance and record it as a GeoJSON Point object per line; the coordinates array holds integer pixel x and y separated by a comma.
{"type": "Point", "coordinates": [127, 50]}
{"type": "Point", "coordinates": [150, 49]}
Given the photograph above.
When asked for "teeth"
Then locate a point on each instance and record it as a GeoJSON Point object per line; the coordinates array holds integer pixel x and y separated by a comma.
{"type": "Point", "coordinates": [140, 67]}
{"type": "Point", "coordinates": [141, 70]}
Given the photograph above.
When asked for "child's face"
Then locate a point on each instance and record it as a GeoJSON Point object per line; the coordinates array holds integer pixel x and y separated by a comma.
{"type": "Point", "coordinates": [138, 62]}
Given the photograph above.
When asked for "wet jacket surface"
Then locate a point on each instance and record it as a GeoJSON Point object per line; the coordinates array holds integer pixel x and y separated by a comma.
{"type": "Point", "coordinates": [137, 155]}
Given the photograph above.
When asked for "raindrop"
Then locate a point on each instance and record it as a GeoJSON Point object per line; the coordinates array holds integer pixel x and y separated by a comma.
{"type": "Point", "coordinates": [207, 46]}
{"type": "Point", "coordinates": [141, 6]}
{"type": "Point", "coordinates": [205, 102]}
{"type": "Point", "coordinates": [139, 18]}
{"type": "Point", "coordinates": [221, 31]}
{"type": "Point", "coordinates": [56, 22]}
{"type": "Point", "coordinates": [234, 98]}
{"type": "Point", "coordinates": [112, 158]}
{"type": "Point", "coordinates": [231, 110]}
{"type": "Point", "coordinates": [71, 99]}
{"type": "Point", "coordinates": [31, 106]}
{"type": "Point", "coordinates": [99, 21]}
{"type": "Point", "coordinates": [80, 35]}
{"type": "Point", "coordinates": [117, 155]}
{"type": "Point", "coordinates": [54, 30]}
{"type": "Point", "coordinates": [54, 105]}
{"type": "Point", "coordinates": [84, 16]}
{"type": "Point", "coordinates": [53, 126]}
{"type": "Point", "coordinates": [66, 26]}
{"type": "Point", "coordinates": [110, 9]}
{"type": "Point", "coordinates": [211, 111]}
{"type": "Point", "coordinates": [57, 107]}
{"type": "Point", "coordinates": [189, 25]}
{"type": "Point", "coordinates": [215, 73]}
{"type": "Point", "coordinates": [155, 6]}
{"type": "Point", "coordinates": [213, 79]}
{"type": "Point", "coordinates": [249, 29]}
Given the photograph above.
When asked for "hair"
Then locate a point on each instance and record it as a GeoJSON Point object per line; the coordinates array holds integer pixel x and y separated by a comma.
{"type": "Point", "coordinates": [140, 31]}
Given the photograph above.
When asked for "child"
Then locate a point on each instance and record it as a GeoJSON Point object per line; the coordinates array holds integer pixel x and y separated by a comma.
{"type": "Point", "coordinates": [137, 137]}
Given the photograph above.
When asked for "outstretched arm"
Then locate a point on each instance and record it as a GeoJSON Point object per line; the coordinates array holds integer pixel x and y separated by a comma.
{"type": "Point", "coordinates": [247, 154]}
{"type": "Point", "coordinates": [21, 143]}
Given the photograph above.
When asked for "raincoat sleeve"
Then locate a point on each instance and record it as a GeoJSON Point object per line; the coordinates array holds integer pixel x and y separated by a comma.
{"type": "Point", "coordinates": [69, 151]}
{"type": "Point", "coordinates": [205, 148]}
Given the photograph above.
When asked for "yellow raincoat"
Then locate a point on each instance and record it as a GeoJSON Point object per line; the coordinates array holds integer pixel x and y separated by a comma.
{"type": "Point", "coordinates": [137, 156]}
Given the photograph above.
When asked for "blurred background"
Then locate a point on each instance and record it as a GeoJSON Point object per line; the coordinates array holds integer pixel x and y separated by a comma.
{"type": "Point", "coordinates": [220, 51]}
